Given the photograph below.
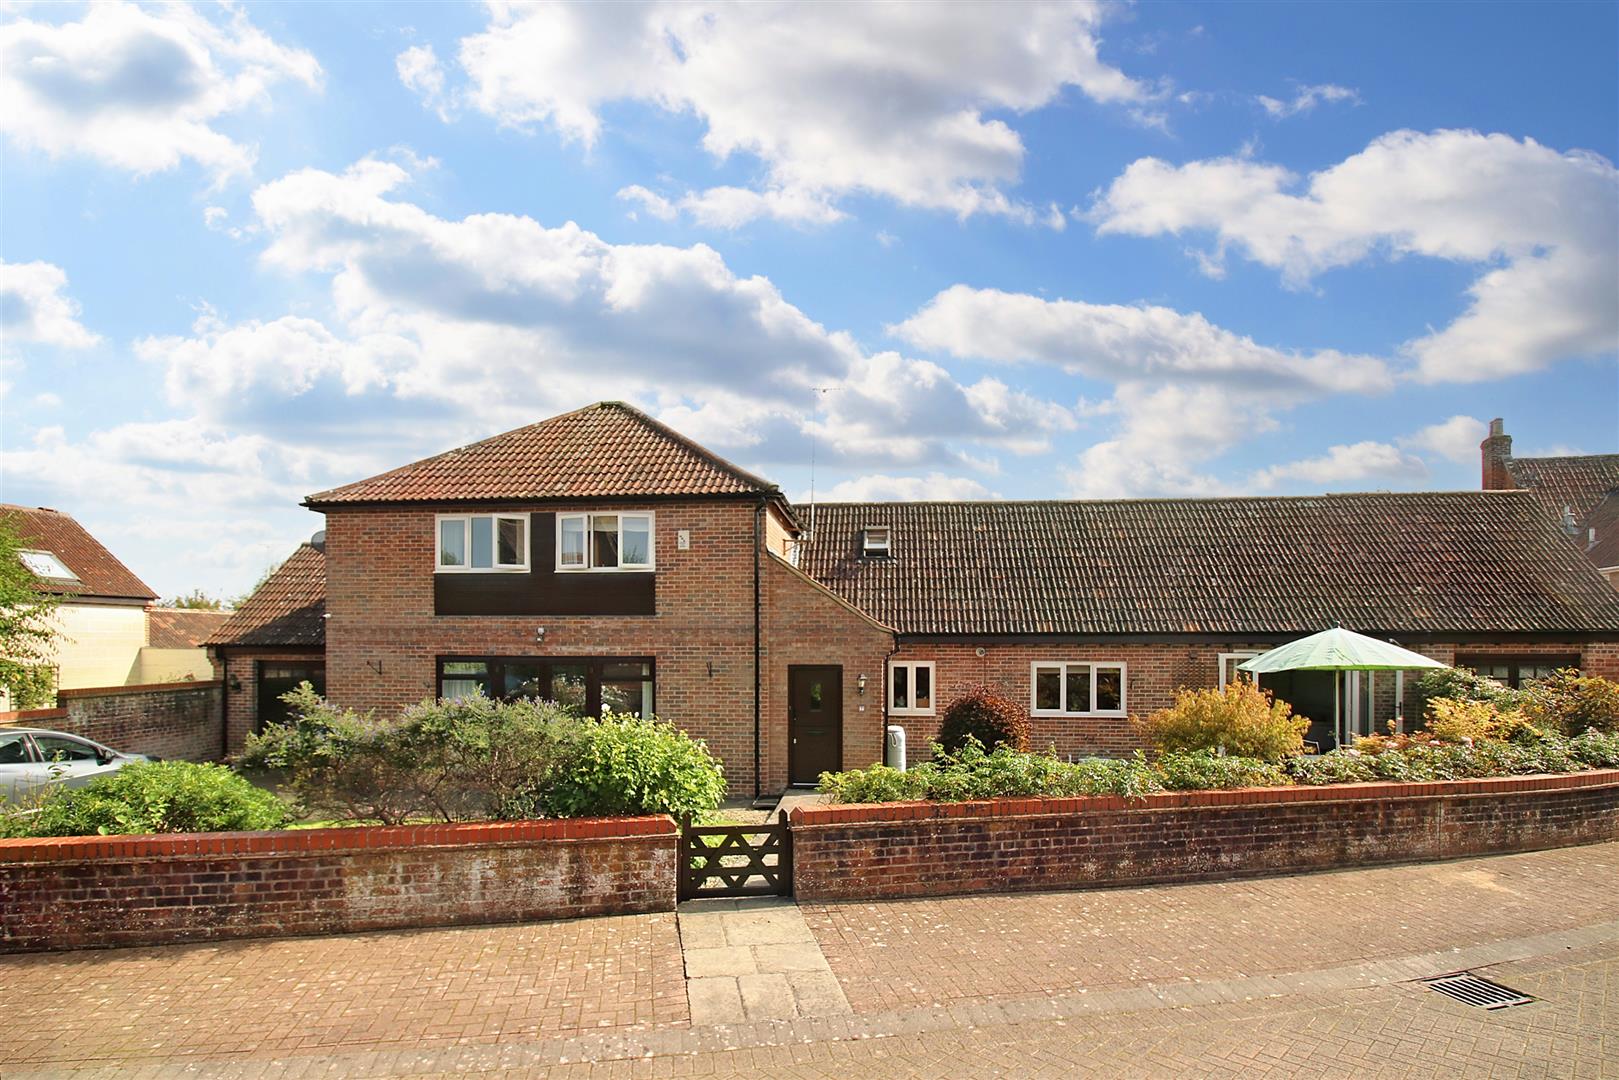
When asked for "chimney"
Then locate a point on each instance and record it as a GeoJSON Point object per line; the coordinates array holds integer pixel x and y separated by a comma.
{"type": "Point", "coordinates": [1496, 450]}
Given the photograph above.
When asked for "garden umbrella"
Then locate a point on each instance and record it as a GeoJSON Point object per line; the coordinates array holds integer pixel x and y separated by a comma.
{"type": "Point", "coordinates": [1337, 650]}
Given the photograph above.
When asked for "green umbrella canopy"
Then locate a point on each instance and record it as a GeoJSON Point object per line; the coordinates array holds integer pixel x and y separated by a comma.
{"type": "Point", "coordinates": [1338, 650]}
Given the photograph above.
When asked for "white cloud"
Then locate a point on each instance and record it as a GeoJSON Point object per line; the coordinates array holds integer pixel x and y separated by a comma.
{"type": "Point", "coordinates": [35, 308]}
{"type": "Point", "coordinates": [898, 100]}
{"type": "Point", "coordinates": [419, 69]}
{"type": "Point", "coordinates": [733, 207]}
{"type": "Point", "coordinates": [140, 89]}
{"type": "Point", "coordinates": [1543, 225]}
{"type": "Point", "coordinates": [934, 486]}
{"type": "Point", "coordinates": [1456, 439]}
{"type": "Point", "coordinates": [1185, 390]}
{"type": "Point", "coordinates": [1350, 464]}
{"type": "Point", "coordinates": [1306, 98]}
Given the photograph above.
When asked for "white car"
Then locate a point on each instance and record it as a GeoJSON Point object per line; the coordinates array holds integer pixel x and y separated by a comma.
{"type": "Point", "coordinates": [32, 759]}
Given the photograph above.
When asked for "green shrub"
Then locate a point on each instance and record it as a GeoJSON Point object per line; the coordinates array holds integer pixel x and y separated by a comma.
{"type": "Point", "coordinates": [1239, 719]}
{"type": "Point", "coordinates": [1337, 767]}
{"type": "Point", "coordinates": [974, 773]}
{"type": "Point", "coordinates": [984, 715]}
{"type": "Point", "coordinates": [474, 758]}
{"type": "Point", "coordinates": [627, 765]}
{"type": "Point", "coordinates": [879, 783]}
{"type": "Point", "coordinates": [1202, 770]}
{"type": "Point", "coordinates": [1596, 749]}
{"type": "Point", "coordinates": [1464, 684]}
{"type": "Point", "coordinates": [1546, 753]}
{"type": "Point", "coordinates": [153, 797]}
{"type": "Point", "coordinates": [1571, 703]}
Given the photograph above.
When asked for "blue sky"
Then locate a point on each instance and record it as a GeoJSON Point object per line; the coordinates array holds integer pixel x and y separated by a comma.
{"type": "Point", "coordinates": [1023, 251]}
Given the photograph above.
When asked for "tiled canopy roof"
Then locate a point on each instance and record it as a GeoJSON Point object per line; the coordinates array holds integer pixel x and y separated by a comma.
{"type": "Point", "coordinates": [1471, 562]}
{"type": "Point", "coordinates": [181, 628]}
{"type": "Point", "coordinates": [289, 608]}
{"type": "Point", "coordinates": [98, 573]}
{"type": "Point", "coordinates": [1579, 483]}
{"type": "Point", "coordinates": [605, 450]}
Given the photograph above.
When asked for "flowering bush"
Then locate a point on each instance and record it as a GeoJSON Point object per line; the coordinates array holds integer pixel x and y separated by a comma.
{"type": "Point", "coordinates": [1239, 719]}
{"type": "Point", "coordinates": [1203, 770]}
{"type": "Point", "coordinates": [974, 773]}
{"type": "Point", "coordinates": [1571, 703]}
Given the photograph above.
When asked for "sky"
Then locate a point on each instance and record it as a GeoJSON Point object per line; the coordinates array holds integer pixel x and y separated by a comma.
{"type": "Point", "coordinates": [966, 251]}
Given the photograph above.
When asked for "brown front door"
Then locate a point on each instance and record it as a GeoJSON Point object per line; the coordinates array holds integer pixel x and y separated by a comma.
{"type": "Point", "coordinates": [814, 722]}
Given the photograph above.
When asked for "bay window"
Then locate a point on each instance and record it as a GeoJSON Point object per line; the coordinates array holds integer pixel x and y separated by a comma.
{"type": "Point", "coordinates": [1076, 688]}
{"type": "Point", "coordinates": [605, 541]}
{"type": "Point", "coordinates": [482, 543]}
{"type": "Point", "coordinates": [910, 688]}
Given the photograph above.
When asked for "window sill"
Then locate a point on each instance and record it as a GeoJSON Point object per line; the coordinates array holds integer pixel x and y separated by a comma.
{"type": "Point", "coordinates": [480, 570]}
{"type": "Point", "coordinates": [911, 712]}
{"type": "Point", "coordinates": [606, 569]}
{"type": "Point", "coordinates": [1047, 715]}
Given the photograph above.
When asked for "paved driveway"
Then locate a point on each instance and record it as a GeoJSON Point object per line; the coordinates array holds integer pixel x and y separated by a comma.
{"type": "Point", "coordinates": [1308, 975]}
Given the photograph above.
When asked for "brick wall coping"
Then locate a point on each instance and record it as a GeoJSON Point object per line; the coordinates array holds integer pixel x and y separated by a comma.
{"type": "Point", "coordinates": [137, 688]}
{"type": "Point", "coordinates": [25, 717]}
{"type": "Point", "coordinates": [311, 841]}
{"type": "Point", "coordinates": [1171, 800]}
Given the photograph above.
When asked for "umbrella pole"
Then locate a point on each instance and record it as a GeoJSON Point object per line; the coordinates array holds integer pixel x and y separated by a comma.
{"type": "Point", "coordinates": [1338, 705]}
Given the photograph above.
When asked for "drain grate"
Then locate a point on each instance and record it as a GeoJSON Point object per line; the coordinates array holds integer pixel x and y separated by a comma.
{"type": "Point", "coordinates": [1480, 993]}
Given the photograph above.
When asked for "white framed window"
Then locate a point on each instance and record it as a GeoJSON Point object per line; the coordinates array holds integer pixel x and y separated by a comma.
{"type": "Point", "coordinates": [46, 565]}
{"type": "Point", "coordinates": [606, 542]}
{"type": "Point", "coordinates": [910, 688]}
{"type": "Point", "coordinates": [1228, 666]}
{"type": "Point", "coordinates": [482, 543]}
{"type": "Point", "coordinates": [1076, 688]}
{"type": "Point", "coordinates": [876, 541]}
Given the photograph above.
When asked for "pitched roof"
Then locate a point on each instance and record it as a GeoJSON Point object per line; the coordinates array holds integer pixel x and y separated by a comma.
{"type": "Point", "coordinates": [97, 572]}
{"type": "Point", "coordinates": [288, 608]}
{"type": "Point", "coordinates": [1579, 483]}
{"type": "Point", "coordinates": [1474, 562]}
{"type": "Point", "coordinates": [181, 628]}
{"type": "Point", "coordinates": [605, 450]}
{"type": "Point", "coordinates": [1604, 518]}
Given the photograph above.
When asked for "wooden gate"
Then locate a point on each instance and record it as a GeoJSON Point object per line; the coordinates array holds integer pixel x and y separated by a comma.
{"type": "Point", "coordinates": [736, 860]}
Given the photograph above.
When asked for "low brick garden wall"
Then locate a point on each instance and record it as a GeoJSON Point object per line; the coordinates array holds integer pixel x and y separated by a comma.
{"type": "Point", "coordinates": [933, 849]}
{"type": "Point", "coordinates": [169, 720]}
{"type": "Point", "coordinates": [85, 892]}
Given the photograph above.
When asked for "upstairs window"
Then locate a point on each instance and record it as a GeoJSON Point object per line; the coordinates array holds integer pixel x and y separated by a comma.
{"type": "Point", "coordinates": [46, 565]}
{"type": "Point", "coordinates": [1077, 689]}
{"type": "Point", "coordinates": [605, 541]}
{"type": "Point", "coordinates": [910, 688]}
{"type": "Point", "coordinates": [875, 542]}
{"type": "Point", "coordinates": [482, 543]}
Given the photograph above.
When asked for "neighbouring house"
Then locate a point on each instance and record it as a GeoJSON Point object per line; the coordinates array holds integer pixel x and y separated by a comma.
{"type": "Point", "coordinates": [1579, 491]}
{"type": "Point", "coordinates": [108, 631]}
{"type": "Point", "coordinates": [602, 559]}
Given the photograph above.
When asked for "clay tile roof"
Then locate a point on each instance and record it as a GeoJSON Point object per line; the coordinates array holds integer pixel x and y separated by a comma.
{"type": "Point", "coordinates": [1476, 562]}
{"type": "Point", "coordinates": [289, 608]}
{"type": "Point", "coordinates": [181, 628]}
{"type": "Point", "coordinates": [97, 572]}
{"type": "Point", "coordinates": [1605, 520]}
{"type": "Point", "coordinates": [1579, 483]}
{"type": "Point", "coordinates": [605, 450]}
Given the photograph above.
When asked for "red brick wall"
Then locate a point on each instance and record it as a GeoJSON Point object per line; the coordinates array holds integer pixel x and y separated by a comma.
{"type": "Point", "coordinates": [933, 849]}
{"type": "Point", "coordinates": [1152, 675]}
{"type": "Point", "coordinates": [89, 892]}
{"type": "Point", "coordinates": [170, 720]}
{"type": "Point", "coordinates": [806, 624]}
{"type": "Point", "coordinates": [382, 636]}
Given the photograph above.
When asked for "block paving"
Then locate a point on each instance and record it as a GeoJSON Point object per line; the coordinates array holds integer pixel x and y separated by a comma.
{"type": "Point", "coordinates": [1301, 976]}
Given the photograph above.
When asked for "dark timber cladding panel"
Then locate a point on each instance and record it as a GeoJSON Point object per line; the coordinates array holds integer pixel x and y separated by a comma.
{"type": "Point", "coordinates": [543, 591]}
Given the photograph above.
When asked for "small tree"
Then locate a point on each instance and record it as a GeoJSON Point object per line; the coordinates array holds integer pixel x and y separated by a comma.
{"type": "Point", "coordinates": [27, 637]}
{"type": "Point", "coordinates": [196, 600]}
{"type": "Point", "coordinates": [983, 714]}
{"type": "Point", "coordinates": [1241, 719]}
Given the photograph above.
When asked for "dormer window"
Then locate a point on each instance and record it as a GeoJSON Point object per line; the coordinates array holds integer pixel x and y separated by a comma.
{"type": "Point", "coordinates": [46, 565]}
{"type": "Point", "coordinates": [482, 543]}
{"type": "Point", "coordinates": [605, 542]}
{"type": "Point", "coordinates": [875, 542]}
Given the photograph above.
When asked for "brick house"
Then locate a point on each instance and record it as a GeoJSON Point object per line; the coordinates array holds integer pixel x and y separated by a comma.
{"type": "Point", "coordinates": [1580, 492]}
{"type": "Point", "coordinates": [603, 559]}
